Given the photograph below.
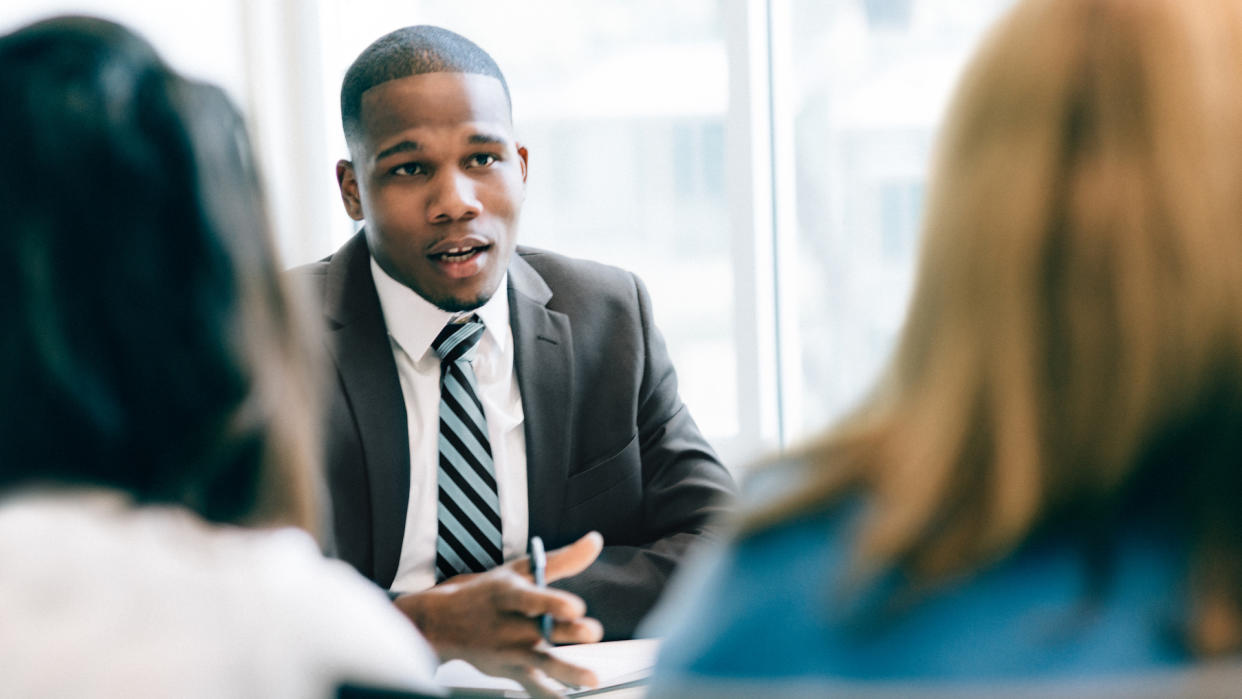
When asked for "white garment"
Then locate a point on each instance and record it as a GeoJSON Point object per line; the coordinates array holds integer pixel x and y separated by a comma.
{"type": "Point", "coordinates": [99, 598]}
{"type": "Point", "coordinates": [413, 323]}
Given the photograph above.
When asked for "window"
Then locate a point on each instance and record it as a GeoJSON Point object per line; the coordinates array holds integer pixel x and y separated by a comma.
{"type": "Point", "coordinates": [211, 47]}
{"type": "Point", "coordinates": [761, 164]}
{"type": "Point", "coordinates": [866, 84]}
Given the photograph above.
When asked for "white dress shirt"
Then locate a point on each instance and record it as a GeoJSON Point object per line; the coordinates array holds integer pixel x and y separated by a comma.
{"type": "Point", "coordinates": [413, 324]}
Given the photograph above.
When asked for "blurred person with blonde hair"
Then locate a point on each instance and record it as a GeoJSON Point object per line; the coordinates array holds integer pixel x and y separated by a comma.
{"type": "Point", "coordinates": [157, 406]}
{"type": "Point", "coordinates": [1041, 491]}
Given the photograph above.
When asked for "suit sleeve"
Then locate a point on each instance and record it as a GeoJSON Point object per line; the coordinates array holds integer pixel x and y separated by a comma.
{"type": "Point", "coordinates": [686, 490]}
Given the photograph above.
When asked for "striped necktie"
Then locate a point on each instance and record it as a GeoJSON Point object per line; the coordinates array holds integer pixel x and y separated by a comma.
{"type": "Point", "coordinates": [468, 537]}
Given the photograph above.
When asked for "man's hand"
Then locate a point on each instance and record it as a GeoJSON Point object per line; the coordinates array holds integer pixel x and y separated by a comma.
{"type": "Point", "coordinates": [490, 619]}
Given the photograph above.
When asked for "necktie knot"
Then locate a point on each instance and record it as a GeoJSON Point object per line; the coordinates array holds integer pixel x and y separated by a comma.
{"type": "Point", "coordinates": [458, 341]}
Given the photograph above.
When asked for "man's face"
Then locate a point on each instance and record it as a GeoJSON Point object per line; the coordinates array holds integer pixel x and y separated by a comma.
{"type": "Point", "coordinates": [439, 179]}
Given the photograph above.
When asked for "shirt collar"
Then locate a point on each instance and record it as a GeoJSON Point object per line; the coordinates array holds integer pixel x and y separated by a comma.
{"type": "Point", "coordinates": [414, 322]}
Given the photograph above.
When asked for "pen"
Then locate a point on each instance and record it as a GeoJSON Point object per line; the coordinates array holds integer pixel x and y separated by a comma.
{"type": "Point", "coordinates": [538, 568]}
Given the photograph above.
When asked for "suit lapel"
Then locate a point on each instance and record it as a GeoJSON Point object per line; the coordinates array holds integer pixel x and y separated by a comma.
{"type": "Point", "coordinates": [543, 355]}
{"type": "Point", "coordinates": [364, 359]}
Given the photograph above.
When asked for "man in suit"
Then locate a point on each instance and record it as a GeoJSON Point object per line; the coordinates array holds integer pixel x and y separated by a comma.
{"type": "Point", "coordinates": [564, 419]}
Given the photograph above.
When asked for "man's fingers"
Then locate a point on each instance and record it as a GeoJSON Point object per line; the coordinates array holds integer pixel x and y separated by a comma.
{"type": "Point", "coordinates": [535, 670]}
{"type": "Point", "coordinates": [537, 684]}
{"type": "Point", "coordinates": [565, 561]}
{"type": "Point", "coordinates": [521, 670]}
{"type": "Point", "coordinates": [527, 600]}
{"type": "Point", "coordinates": [585, 630]}
{"type": "Point", "coordinates": [574, 558]}
{"type": "Point", "coordinates": [564, 672]}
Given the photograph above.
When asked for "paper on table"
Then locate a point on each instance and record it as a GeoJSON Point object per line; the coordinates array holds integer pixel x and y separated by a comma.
{"type": "Point", "coordinates": [615, 663]}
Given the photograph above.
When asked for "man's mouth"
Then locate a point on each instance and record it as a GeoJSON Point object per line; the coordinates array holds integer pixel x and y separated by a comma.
{"type": "Point", "coordinates": [458, 254]}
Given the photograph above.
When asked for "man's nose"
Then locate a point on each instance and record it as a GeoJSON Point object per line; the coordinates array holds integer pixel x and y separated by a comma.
{"type": "Point", "coordinates": [454, 199]}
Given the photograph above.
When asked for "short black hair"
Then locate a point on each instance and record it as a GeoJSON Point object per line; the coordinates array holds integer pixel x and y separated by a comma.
{"type": "Point", "coordinates": [411, 51]}
{"type": "Point", "coordinates": [149, 337]}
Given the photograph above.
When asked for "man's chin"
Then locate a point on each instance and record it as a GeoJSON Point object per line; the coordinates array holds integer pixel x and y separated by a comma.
{"type": "Point", "coordinates": [462, 298]}
{"type": "Point", "coordinates": [455, 305]}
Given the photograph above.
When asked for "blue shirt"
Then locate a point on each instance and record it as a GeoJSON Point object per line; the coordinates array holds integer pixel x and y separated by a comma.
{"type": "Point", "coordinates": [774, 605]}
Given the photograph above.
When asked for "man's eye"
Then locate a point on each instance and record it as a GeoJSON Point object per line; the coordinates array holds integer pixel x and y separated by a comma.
{"type": "Point", "coordinates": [482, 159]}
{"type": "Point", "coordinates": [409, 169]}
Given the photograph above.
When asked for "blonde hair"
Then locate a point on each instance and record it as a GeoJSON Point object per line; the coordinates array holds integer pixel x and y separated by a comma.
{"type": "Point", "coordinates": [1077, 319]}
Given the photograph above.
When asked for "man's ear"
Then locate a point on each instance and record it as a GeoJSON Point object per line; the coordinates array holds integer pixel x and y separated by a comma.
{"type": "Point", "coordinates": [521, 151]}
{"type": "Point", "coordinates": [348, 183]}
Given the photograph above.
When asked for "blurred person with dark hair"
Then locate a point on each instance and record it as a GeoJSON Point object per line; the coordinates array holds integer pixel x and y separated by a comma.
{"type": "Point", "coordinates": [1041, 492]}
{"type": "Point", "coordinates": [159, 406]}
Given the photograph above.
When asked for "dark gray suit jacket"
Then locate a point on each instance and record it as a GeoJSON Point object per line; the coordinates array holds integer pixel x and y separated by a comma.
{"type": "Point", "coordinates": [609, 444]}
